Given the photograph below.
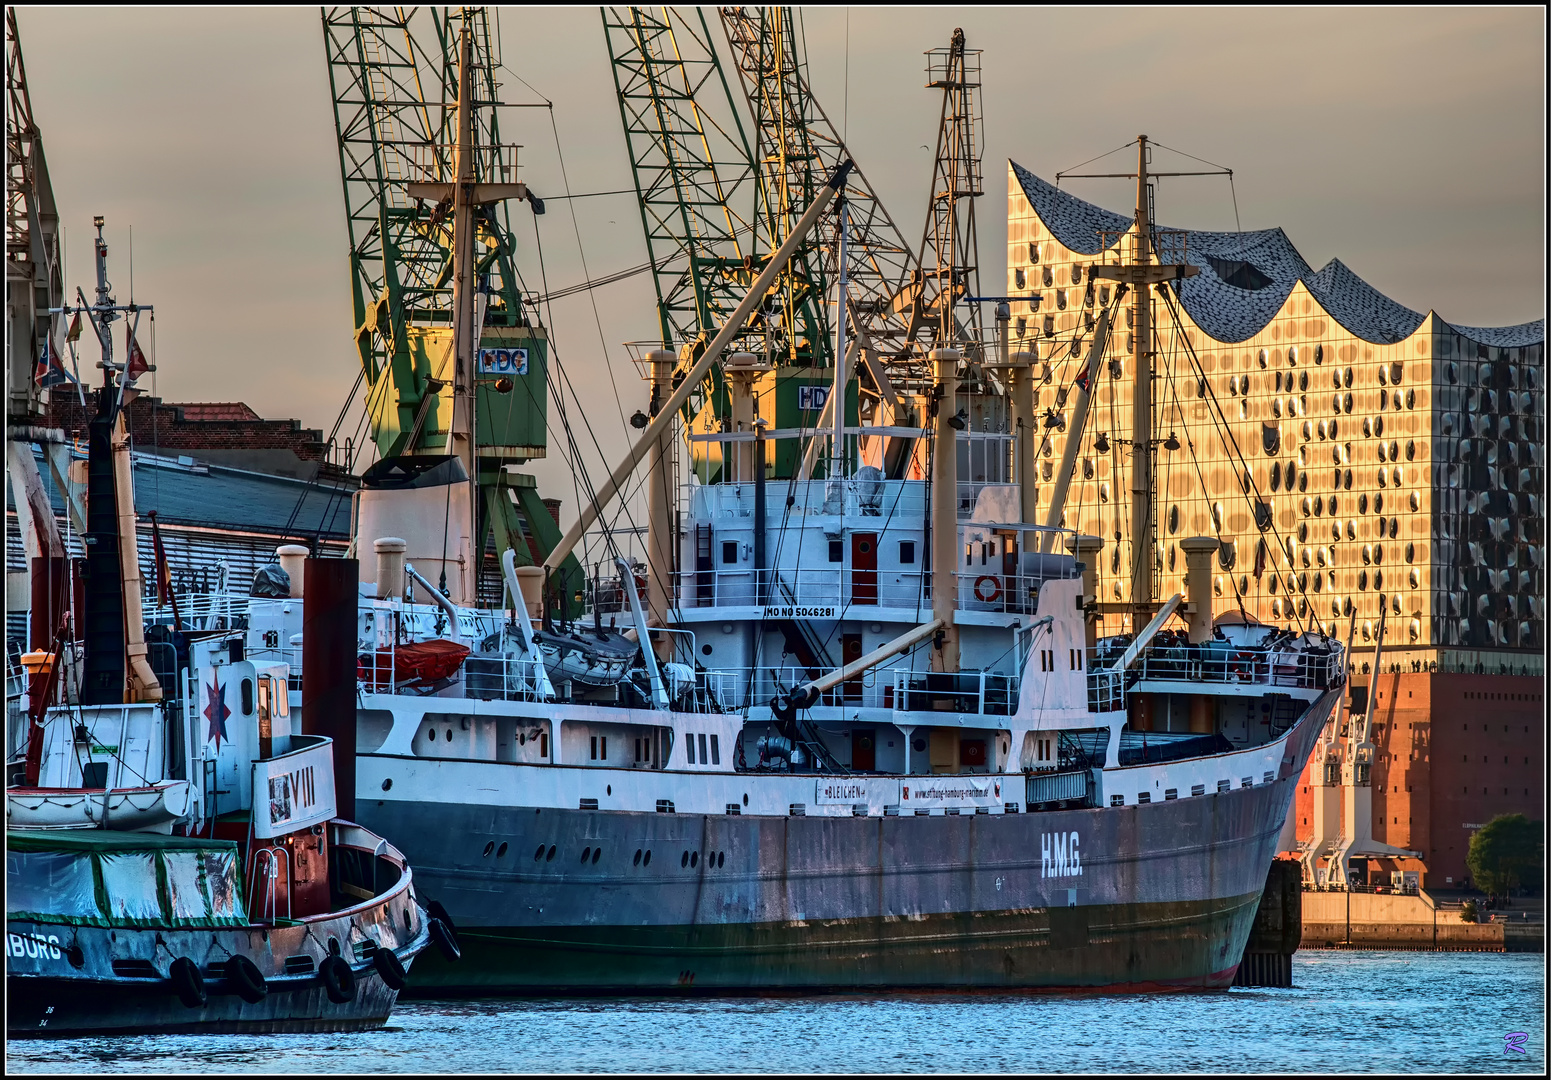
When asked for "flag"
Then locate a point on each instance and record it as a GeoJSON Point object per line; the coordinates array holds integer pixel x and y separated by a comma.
{"type": "Point", "coordinates": [1260, 559]}
{"type": "Point", "coordinates": [51, 370]}
{"type": "Point", "coordinates": [75, 328]}
{"type": "Point", "coordinates": [1082, 379]}
{"type": "Point", "coordinates": [137, 365]}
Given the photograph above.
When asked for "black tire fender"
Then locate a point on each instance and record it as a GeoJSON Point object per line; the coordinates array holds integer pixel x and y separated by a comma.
{"type": "Point", "coordinates": [338, 979]}
{"type": "Point", "coordinates": [390, 968]}
{"type": "Point", "coordinates": [187, 982]}
{"type": "Point", "coordinates": [436, 911]}
{"type": "Point", "coordinates": [245, 978]}
{"type": "Point", "coordinates": [446, 939]}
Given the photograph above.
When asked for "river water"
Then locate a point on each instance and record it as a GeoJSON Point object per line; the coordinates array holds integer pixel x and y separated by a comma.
{"type": "Point", "coordinates": [1348, 1012]}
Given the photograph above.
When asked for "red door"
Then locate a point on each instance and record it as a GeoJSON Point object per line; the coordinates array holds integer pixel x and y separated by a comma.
{"type": "Point", "coordinates": [864, 568]}
{"type": "Point", "coordinates": [864, 750]}
{"type": "Point", "coordinates": [851, 651]}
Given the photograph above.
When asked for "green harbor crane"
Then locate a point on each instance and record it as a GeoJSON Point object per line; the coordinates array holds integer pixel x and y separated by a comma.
{"type": "Point", "coordinates": [393, 77]}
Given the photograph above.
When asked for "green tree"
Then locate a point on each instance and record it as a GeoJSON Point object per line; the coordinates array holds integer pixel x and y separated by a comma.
{"type": "Point", "coordinates": [1506, 853]}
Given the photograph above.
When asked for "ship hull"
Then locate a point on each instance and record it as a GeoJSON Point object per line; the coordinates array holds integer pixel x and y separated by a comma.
{"type": "Point", "coordinates": [1155, 896]}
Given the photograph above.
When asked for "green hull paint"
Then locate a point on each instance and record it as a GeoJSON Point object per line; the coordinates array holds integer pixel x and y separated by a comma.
{"type": "Point", "coordinates": [1132, 946]}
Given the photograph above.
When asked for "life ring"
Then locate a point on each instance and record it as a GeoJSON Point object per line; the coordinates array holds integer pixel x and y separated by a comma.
{"type": "Point", "coordinates": [390, 968]}
{"type": "Point", "coordinates": [446, 939]}
{"type": "Point", "coordinates": [338, 979]}
{"type": "Point", "coordinates": [244, 976]}
{"type": "Point", "coordinates": [187, 982]}
{"type": "Point", "coordinates": [996, 588]}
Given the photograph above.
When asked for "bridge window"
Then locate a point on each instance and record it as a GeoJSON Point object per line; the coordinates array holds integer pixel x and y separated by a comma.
{"type": "Point", "coordinates": [836, 551]}
{"type": "Point", "coordinates": [907, 552]}
{"type": "Point", "coordinates": [729, 551]}
{"type": "Point", "coordinates": [703, 755]}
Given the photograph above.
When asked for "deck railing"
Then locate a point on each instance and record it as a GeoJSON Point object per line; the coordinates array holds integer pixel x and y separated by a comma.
{"type": "Point", "coordinates": [1213, 664]}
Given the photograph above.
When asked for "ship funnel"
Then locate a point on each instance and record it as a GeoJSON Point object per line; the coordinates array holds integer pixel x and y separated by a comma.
{"type": "Point", "coordinates": [390, 566]}
{"type": "Point", "coordinates": [292, 559]}
{"type": "Point", "coordinates": [1198, 585]}
{"type": "Point", "coordinates": [530, 579]}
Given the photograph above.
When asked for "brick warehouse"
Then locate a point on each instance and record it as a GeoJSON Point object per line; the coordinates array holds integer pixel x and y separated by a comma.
{"type": "Point", "coordinates": [220, 433]}
{"type": "Point", "coordinates": [1454, 751]}
{"type": "Point", "coordinates": [1399, 463]}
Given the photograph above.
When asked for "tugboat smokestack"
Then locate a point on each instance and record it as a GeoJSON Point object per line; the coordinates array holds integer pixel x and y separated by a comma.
{"type": "Point", "coordinates": [329, 598]}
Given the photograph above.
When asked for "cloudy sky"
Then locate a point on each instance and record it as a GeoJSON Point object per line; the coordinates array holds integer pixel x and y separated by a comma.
{"type": "Point", "coordinates": [1408, 142]}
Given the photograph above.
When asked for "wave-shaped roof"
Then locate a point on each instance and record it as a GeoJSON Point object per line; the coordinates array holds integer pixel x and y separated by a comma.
{"type": "Point", "coordinates": [1245, 278]}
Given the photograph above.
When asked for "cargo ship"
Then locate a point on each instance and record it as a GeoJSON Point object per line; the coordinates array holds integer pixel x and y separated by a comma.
{"type": "Point", "coordinates": [848, 722]}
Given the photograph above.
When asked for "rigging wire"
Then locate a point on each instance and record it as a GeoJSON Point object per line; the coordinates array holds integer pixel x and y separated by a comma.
{"type": "Point", "coordinates": [1219, 421]}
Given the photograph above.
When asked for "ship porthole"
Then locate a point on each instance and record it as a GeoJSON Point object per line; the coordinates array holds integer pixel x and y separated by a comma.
{"type": "Point", "coordinates": [586, 853]}
{"type": "Point", "coordinates": [684, 860]}
{"type": "Point", "coordinates": [648, 860]}
{"type": "Point", "coordinates": [488, 849]}
{"type": "Point", "coordinates": [609, 790]}
{"type": "Point", "coordinates": [694, 858]}
{"type": "Point", "coordinates": [721, 859]}
{"type": "Point", "coordinates": [550, 856]}
{"type": "Point", "coordinates": [597, 853]}
{"type": "Point", "coordinates": [745, 798]}
{"type": "Point", "coordinates": [539, 854]}
{"type": "Point", "coordinates": [637, 860]}
{"type": "Point", "coordinates": [500, 852]}
{"type": "Point", "coordinates": [387, 784]}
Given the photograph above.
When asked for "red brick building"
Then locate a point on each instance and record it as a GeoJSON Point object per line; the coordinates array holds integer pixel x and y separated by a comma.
{"type": "Point", "coordinates": [1452, 751]}
{"type": "Point", "coordinates": [219, 433]}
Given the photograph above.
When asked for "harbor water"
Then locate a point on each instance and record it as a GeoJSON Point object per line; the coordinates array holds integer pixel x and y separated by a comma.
{"type": "Point", "coordinates": [1348, 1012]}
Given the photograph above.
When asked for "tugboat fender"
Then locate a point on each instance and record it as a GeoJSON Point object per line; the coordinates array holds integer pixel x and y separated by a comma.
{"type": "Point", "coordinates": [443, 930]}
{"type": "Point", "coordinates": [246, 979]}
{"type": "Point", "coordinates": [187, 982]}
{"type": "Point", "coordinates": [338, 979]}
{"type": "Point", "coordinates": [446, 938]}
{"type": "Point", "coordinates": [390, 968]}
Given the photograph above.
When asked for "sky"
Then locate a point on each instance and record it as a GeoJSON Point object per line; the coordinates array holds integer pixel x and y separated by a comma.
{"type": "Point", "coordinates": [1408, 142]}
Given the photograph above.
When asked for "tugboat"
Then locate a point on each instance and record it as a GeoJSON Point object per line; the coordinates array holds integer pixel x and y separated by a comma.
{"type": "Point", "coordinates": [177, 858]}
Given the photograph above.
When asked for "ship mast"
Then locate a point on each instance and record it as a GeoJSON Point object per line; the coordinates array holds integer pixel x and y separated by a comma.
{"type": "Point", "coordinates": [465, 335]}
{"type": "Point", "coordinates": [1143, 274]}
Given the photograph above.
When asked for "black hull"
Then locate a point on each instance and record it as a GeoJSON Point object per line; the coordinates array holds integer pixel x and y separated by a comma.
{"type": "Point", "coordinates": [1164, 898]}
{"type": "Point", "coordinates": [45, 1006]}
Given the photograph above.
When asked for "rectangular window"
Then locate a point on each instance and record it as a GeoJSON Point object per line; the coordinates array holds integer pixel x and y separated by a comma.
{"type": "Point", "coordinates": [716, 751]}
{"type": "Point", "coordinates": [689, 749]}
{"type": "Point", "coordinates": [594, 748]}
{"type": "Point", "coordinates": [704, 758]}
{"type": "Point", "coordinates": [907, 552]}
{"type": "Point", "coordinates": [729, 551]}
{"type": "Point", "coordinates": [544, 745]}
{"type": "Point", "coordinates": [638, 749]}
{"type": "Point", "coordinates": [603, 748]}
{"type": "Point", "coordinates": [836, 551]}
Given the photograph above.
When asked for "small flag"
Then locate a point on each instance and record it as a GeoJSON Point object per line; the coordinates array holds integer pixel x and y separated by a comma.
{"type": "Point", "coordinates": [51, 371]}
{"type": "Point", "coordinates": [1260, 559]}
{"type": "Point", "coordinates": [75, 328]}
{"type": "Point", "coordinates": [137, 365]}
{"type": "Point", "coordinates": [1082, 380]}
